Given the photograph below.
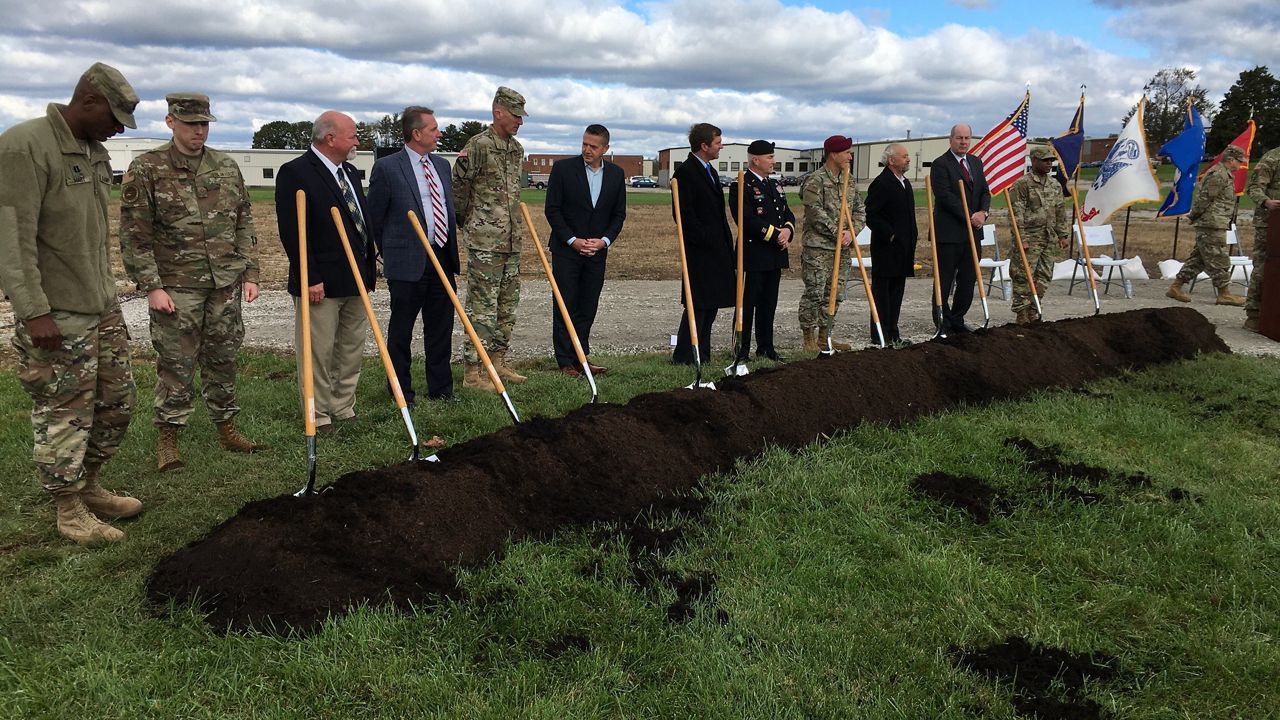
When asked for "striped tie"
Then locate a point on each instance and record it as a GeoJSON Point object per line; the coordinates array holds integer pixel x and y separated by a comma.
{"type": "Point", "coordinates": [439, 226]}
{"type": "Point", "coordinates": [352, 206]}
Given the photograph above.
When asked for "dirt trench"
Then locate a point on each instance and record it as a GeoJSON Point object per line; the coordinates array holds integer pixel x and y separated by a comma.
{"type": "Point", "coordinates": [395, 534]}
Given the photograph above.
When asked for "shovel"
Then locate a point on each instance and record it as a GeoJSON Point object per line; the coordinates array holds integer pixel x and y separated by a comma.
{"type": "Point", "coordinates": [940, 330]}
{"type": "Point", "coordinates": [688, 296]}
{"type": "Point", "coordinates": [1084, 249]}
{"type": "Point", "coordinates": [564, 310]}
{"type": "Point", "coordinates": [977, 263]}
{"type": "Point", "coordinates": [866, 282]}
{"type": "Point", "coordinates": [1026, 265]}
{"type": "Point", "coordinates": [835, 267]}
{"type": "Point", "coordinates": [462, 315]}
{"type": "Point", "coordinates": [392, 379]}
{"type": "Point", "coordinates": [739, 368]}
{"type": "Point", "coordinates": [308, 380]}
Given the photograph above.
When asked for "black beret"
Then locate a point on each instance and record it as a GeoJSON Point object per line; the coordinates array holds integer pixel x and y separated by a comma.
{"type": "Point", "coordinates": [760, 147]}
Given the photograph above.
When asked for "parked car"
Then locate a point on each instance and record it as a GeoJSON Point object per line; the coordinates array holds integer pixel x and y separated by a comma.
{"type": "Point", "coordinates": [643, 181]}
{"type": "Point", "coordinates": [726, 181]}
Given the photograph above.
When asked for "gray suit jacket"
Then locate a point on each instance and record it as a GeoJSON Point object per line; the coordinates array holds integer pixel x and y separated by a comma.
{"type": "Point", "coordinates": [393, 192]}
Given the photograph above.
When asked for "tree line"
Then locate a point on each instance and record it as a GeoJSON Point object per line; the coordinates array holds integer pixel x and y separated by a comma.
{"type": "Point", "coordinates": [384, 133]}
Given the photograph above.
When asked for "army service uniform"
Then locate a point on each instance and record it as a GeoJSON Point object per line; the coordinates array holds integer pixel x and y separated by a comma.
{"type": "Point", "coordinates": [1263, 185]}
{"type": "Point", "coordinates": [486, 183]}
{"type": "Point", "coordinates": [821, 195]}
{"type": "Point", "coordinates": [1211, 212]}
{"type": "Point", "coordinates": [1042, 220]}
{"type": "Point", "coordinates": [186, 227]}
{"type": "Point", "coordinates": [765, 213]}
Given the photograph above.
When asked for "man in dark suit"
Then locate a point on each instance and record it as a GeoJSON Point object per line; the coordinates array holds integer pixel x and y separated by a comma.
{"type": "Point", "coordinates": [586, 206]}
{"type": "Point", "coordinates": [708, 242]}
{"type": "Point", "coordinates": [338, 323]}
{"type": "Point", "coordinates": [955, 260]}
{"type": "Point", "coordinates": [415, 179]}
{"type": "Point", "coordinates": [891, 216]}
{"type": "Point", "coordinates": [767, 228]}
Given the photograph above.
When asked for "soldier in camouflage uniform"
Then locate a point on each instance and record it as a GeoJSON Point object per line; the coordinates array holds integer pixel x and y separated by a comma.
{"type": "Point", "coordinates": [71, 341]}
{"type": "Point", "coordinates": [486, 184]}
{"type": "Point", "coordinates": [1042, 222]}
{"type": "Point", "coordinates": [820, 192]}
{"type": "Point", "coordinates": [1264, 189]}
{"type": "Point", "coordinates": [187, 240]}
{"type": "Point", "coordinates": [1211, 211]}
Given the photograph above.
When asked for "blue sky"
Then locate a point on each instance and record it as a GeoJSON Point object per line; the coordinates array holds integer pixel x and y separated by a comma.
{"type": "Point", "coordinates": [788, 71]}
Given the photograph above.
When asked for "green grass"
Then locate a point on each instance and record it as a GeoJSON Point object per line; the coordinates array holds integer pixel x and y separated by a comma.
{"type": "Point", "coordinates": [842, 589]}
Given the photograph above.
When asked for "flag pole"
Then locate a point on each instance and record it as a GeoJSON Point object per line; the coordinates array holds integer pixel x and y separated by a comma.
{"type": "Point", "coordinates": [1177, 222]}
{"type": "Point", "coordinates": [1084, 249]}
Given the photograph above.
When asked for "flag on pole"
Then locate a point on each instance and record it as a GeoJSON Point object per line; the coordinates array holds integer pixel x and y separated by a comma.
{"type": "Point", "coordinates": [1125, 176]}
{"type": "Point", "coordinates": [1185, 151]}
{"type": "Point", "coordinates": [1244, 141]}
{"type": "Point", "coordinates": [1003, 150]}
{"type": "Point", "coordinates": [1069, 144]}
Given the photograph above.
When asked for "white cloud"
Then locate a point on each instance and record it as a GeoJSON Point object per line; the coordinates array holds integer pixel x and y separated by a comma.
{"type": "Point", "coordinates": [756, 68]}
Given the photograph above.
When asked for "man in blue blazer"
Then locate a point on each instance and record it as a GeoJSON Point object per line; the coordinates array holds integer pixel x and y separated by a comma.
{"type": "Point", "coordinates": [950, 218]}
{"type": "Point", "coordinates": [338, 322]}
{"type": "Point", "coordinates": [586, 206]}
{"type": "Point", "coordinates": [416, 179]}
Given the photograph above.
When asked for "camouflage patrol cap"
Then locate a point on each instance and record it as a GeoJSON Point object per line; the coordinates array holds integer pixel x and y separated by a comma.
{"type": "Point", "coordinates": [189, 107]}
{"type": "Point", "coordinates": [1042, 153]}
{"type": "Point", "coordinates": [511, 100]}
{"type": "Point", "coordinates": [1233, 152]}
{"type": "Point", "coordinates": [117, 91]}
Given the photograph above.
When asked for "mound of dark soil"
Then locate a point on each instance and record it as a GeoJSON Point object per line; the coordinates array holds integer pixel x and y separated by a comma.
{"type": "Point", "coordinates": [1048, 683]}
{"type": "Point", "coordinates": [394, 534]}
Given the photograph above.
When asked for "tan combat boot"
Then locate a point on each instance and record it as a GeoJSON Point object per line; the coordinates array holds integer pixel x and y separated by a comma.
{"type": "Point", "coordinates": [477, 377]}
{"type": "Point", "coordinates": [1023, 317]}
{"type": "Point", "coordinates": [167, 448]}
{"type": "Point", "coordinates": [231, 439]}
{"type": "Point", "coordinates": [1226, 298]}
{"type": "Point", "coordinates": [1175, 292]}
{"type": "Point", "coordinates": [504, 370]}
{"type": "Point", "coordinates": [77, 524]}
{"type": "Point", "coordinates": [103, 502]}
{"type": "Point", "coordinates": [811, 340]}
{"type": "Point", "coordinates": [836, 344]}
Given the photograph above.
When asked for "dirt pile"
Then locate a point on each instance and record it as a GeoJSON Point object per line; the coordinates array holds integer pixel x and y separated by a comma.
{"type": "Point", "coordinates": [394, 534]}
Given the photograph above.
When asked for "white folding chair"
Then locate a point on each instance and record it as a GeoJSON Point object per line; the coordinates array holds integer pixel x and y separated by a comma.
{"type": "Point", "coordinates": [1102, 253]}
{"type": "Point", "coordinates": [864, 243]}
{"type": "Point", "coordinates": [1238, 260]}
{"type": "Point", "coordinates": [997, 268]}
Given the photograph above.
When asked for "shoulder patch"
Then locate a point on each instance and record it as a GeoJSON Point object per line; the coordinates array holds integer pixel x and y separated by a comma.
{"type": "Point", "coordinates": [129, 192]}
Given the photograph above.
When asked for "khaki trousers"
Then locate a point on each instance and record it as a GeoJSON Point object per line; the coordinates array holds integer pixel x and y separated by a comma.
{"type": "Point", "coordinates": [338, 331]}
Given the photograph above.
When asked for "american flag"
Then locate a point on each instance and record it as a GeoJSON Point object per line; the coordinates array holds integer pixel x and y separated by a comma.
{"type": "Point", "coordinates": [1003, 151]}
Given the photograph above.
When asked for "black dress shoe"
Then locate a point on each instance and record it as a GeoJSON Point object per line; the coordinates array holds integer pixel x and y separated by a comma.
{"type": "Point", "coordinates": [411, 405]}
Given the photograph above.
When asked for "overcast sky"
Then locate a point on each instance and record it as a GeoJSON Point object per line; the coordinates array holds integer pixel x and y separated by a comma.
{"type": "Point", "coordinates": [788, 71]}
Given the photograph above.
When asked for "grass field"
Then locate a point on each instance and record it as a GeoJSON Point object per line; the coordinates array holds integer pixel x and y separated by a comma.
{"type": "Point", "coordinates": [837, 591]}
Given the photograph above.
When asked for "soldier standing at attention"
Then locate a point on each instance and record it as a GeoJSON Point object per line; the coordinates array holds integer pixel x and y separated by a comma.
{"type": "Point", "coordinates": [1211, 212]}
{"type": "Point", "coordinates": [187, 240]}
{"type": "Point", "coordinates": [1042, 222]}
{"type": "Point", "coordinates": [1264, 189]}
{"type": "Point", "coordinates": [768, 226]}
{"type": "Point", "coordinates": [70, 337]}
{"type": "Point", "coordinates": [486, 183]}
{"type": "Point", "coordinates": [821, 195]}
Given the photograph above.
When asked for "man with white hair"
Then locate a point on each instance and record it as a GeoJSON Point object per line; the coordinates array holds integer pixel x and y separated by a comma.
{"type": "Point", "coordinates": [891, 215]}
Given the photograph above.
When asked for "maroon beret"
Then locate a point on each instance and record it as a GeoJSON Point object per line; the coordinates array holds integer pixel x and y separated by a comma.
{"type": "Point", "coordinates": [837, 143]}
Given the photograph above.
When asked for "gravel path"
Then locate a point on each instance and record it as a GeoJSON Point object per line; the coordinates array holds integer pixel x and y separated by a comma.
{"type": "Point", "coordinates": [641, 315]}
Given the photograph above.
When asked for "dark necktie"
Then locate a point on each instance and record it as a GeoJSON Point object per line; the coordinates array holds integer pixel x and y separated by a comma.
{"type": "Point", "coordinates": [964, 169]}
{"type": "Point", "coordinates": [353, 207]}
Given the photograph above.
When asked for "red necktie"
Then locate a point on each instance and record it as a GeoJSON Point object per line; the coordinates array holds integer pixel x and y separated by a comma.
{"type": "Point", "coordinates": [964, 169]}
{"type": "Point", "coordinates": [439, 228]}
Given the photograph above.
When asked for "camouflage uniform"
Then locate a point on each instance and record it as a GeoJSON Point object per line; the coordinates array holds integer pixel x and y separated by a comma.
{"type": "Point", "coordinates": [821, 195]}
{"type": "Point", "coordinates": [1263, 185]}
{"type": "Point", "coordinates": [486, 184]}
{"type": "Point", "coordinates": [186, 227]}
{"type": "Point", "coordinates": [54, 262]}
{"type": "Point", "coordinates": [1042, 221]}
{"type": "Point", "coordinates": [1211, 212]}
